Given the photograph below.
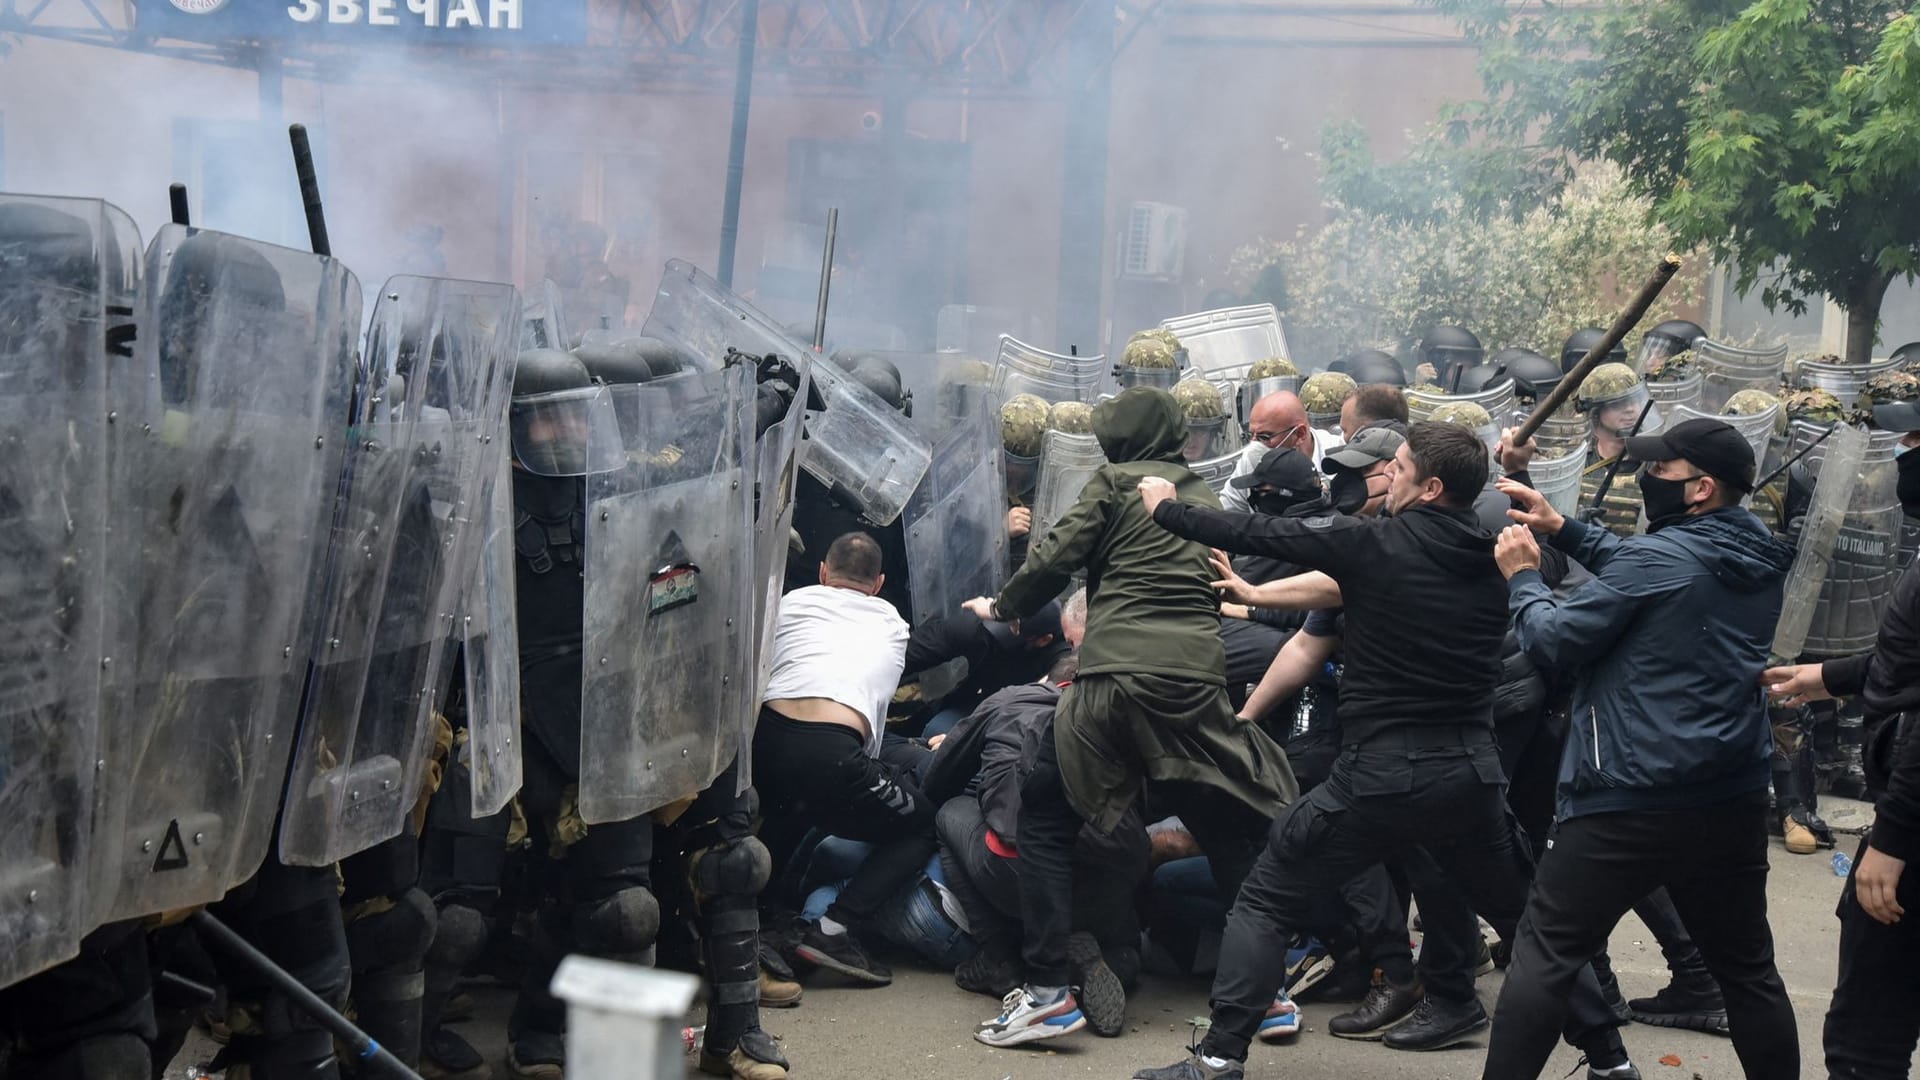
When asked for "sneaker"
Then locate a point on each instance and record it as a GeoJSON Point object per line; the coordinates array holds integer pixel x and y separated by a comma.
{"type": "Point", "coordinates": [843, 953]}
{"type": "Point", "coordinates": [1195, 1068]}
{"type": "Point", "coordinates": [1622, 1071]}
{"type": "Point", "coordinates": [1308, 963]}
{"type": "Point", "coordinates": [1610, 988]}
{"type": "Point", "coordinates": [537, 1056]}
{"type": "Point", "coordinates": [1799, 839]}
{"type": "Point", "coordinates": [1101, 997]}
{"type": "Point", "coordinates": [1436, 1025]}
{"type": "Point", "coordinates": [1282, 1021]}
{"type": "Point", "coordinates": [1384, 1006]}
{"type": "Point", "coordinates": [756, 1058]}
{"type": "Point", "coordinates": [778, 993]}
{"type": "Point", "coordinates": [1694, 1007]}
{"type": "Point", "coordinates": [990, 971]}
{"type": "Point", "coordinates": [1025, 1019]}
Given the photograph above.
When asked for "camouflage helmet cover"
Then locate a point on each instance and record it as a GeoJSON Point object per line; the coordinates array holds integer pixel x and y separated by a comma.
{"type": "Point", "coordinates": [1023, 425]}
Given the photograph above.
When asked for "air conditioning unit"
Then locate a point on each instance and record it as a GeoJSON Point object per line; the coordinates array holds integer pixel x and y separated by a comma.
{"type": "Point", "coordinates": [1155, 245]}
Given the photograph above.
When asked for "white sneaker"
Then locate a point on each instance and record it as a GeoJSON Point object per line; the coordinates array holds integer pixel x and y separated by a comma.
{"type": "Point", "coordinates": [1023, 1019]}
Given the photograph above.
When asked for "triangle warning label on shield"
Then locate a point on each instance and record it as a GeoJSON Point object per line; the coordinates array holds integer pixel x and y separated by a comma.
{"type": "Point", "coordinates": [173, 851]}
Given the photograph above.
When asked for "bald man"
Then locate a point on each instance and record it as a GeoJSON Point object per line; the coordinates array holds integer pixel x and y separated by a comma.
{"type": "Point", "coordinates": [1276, 420]}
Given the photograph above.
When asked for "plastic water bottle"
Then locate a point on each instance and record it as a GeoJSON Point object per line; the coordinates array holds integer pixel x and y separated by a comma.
{"type": "Point", "coordinates": [1842, 865]}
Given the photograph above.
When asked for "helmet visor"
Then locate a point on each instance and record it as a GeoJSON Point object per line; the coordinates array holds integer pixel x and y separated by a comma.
{"type": "Point", "coordinates": [566, 433]}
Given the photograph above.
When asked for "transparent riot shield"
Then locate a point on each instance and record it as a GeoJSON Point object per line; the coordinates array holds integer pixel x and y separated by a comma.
{"type": "Point", "coordinates": [543, 320]}
{"type": "Point", "coordinates": [1067, 462]}
{"type": "Point", "coordinates": [1729, 370]}
{"type": "Point", "coordinates": [1216, 471]}
{"type": "Point", "coordinates": [1229, 337]}
{"type": "Point", "coordinates": [221, 510]}
{"type": "Point", "coordinates": [668, 612]}
{"type": "Point", "coordinates": [1845, 451]}
{"type": "Point", "coordinates": [1020, 368]}
{"type": "Point", "coordinates": [69, 279]}
{"type": "Point", "coordinates": [1866, 555]}
{"type": "Point", "coordinates": [976, 331]}
{"type": "Point", "coordinates": [856, 444]}
{"type": "Point", "coordinates": [490, 639]}
{"type": "Point", "coordinates": [956, 522]}
{"type": "Point", "coordinates": [438, 372]}
{"type": "Point", "coordinates": [776, 471]}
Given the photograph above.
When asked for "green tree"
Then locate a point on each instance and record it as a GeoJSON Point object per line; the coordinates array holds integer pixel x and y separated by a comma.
{"type": "Point", "coordinates": [1779, 135]}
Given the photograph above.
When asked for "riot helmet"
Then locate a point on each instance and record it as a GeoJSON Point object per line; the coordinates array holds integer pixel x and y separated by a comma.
{"type": "Point", "coordinates": [1151, 358]}
{"type": "Point", "coordinates": [1670, 338]}
{"type": "Point", "coordinates": [1374, 366]}
{"type": "Point", "coordinates": [206, 270]}
{"type": "Point", "coordinates": [1071, 417]}
{"type": "Point", "coordinates": [1478, 377]}
{"type": "Point", "coordinates": [1614, 396]}
{"type": "Point", "coordinates": [46, 267]}
{"type": "Point", "coordinates": [1206, 412]}
{"type": "Point", "coordinates": [624, 360]}
{"type": "Point", "coordinates": [1534, 376]}
{"type": "Point", "coordinates": [1448, 349]}
{"type": "Point", "coordinates": [881, 377]}
{"type": "Point", "coordinates": [1468, 415]}
{"type": "Point", "coordinates": [561, 420]}
{"type": "Point", "coordinates": [1023, 430]}
{"type": "Point", "coordinates": [1580, 342]}
{"type": "Point", "coordinates": [1323, 394]}
{"type": "Point", "coordinates": [1908, 355]}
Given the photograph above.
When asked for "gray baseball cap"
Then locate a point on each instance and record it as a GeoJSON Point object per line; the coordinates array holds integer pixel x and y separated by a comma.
{"type": "Point", "coordinates": [1370, 445]}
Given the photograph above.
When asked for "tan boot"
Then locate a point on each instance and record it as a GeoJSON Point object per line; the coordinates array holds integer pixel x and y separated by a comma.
{"type": "Point", "coordinates": [1799, 839]}
{"type": "Point", "coordinates": [776, 993]}
{"type": "Point", "coordinates": [758, 1057]}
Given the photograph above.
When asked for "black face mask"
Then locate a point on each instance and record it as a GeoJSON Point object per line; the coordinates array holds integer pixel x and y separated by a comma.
{"type": "Point", "coordinates": [1349, 491]}
{"type": "Point", "coordinates": [1270, 502]}
{"type": "Point", "coordinates": [1909, 487]}
{"type": "Point", "coordinates": [1665, 500]}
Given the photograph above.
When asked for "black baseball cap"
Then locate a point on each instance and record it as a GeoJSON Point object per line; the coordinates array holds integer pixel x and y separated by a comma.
{"type": "Point", "coordinates": [1286, 470]}
{"type": "Point", "coordinates": [1897, 416]}
{"type": "Point", "coordinates": [1039, 624]}
{"type": "Point", "coordinates": [1710, 445]}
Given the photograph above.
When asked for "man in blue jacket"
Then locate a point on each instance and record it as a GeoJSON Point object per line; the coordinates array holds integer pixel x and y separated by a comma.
{"type": "Point", "coordinates": [1664, 778]}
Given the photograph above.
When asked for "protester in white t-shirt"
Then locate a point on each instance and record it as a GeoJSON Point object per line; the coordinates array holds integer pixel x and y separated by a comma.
{"type": "Point", "coordinates": [1276, 420]}
{"type": "Point", "coordinates": [838, 650]}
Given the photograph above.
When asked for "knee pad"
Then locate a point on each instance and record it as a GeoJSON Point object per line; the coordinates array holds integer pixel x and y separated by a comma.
{"type": "Point", "coordinates": [738, 867]}
{"type": "Point", "coordinates": [459, 935]}
{"type": "Point", "coordinates": [391, 935]}
{"type": "Point", "coordinates": [619, 925]}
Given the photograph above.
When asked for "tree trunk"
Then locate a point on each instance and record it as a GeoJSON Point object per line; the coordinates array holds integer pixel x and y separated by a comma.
{"type": "Point", "coordinates": [1863, 316]}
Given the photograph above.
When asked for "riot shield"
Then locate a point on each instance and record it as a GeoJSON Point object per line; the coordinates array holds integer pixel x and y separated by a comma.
{"type": "Point", "coordinates": [1727, 370]}
{"type": "Point", "coordinates": [221, 514]}
{"type": "Point", "coordinates": [1866, 554]}
{"type": "Point", "coordinates": [669, 606]}
{"type": "Point", "coordinates": [490, 641]}
{"type": "Point", "coordinates": [438, 372]}
{"type": "Point", "coordinates": [1020, 368]}
{"type": "Point", "coordinates": [776, 471]}
{"type": "Point", "coordinates": [1067, 462]}
{"type": "Point", "coordinates": [1845, 450]}
{"type": "Point", "coordinates": [69, 278]}
{"type": "Point", "coordinates": [1229, 337]}
{"type": "Point", "coordinates": [1216, 471]}
{"type": "Point", "coordinates": [956, 522]}
{"type": "Point", "coordinates": [543, 321]}
{"type": "Point", "coordinates": [857, 445]}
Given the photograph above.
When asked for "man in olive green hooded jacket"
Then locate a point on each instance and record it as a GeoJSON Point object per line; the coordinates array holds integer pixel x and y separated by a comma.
{"type": "Point", "coordinates": [1150, 701]}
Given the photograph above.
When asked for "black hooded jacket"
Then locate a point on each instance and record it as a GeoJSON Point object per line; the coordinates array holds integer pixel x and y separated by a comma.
{"type": "Point", "coordinates": [1888, 682]}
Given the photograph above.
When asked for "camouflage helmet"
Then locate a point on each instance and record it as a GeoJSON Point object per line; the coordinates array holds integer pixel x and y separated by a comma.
{"type": "Point", "coordinates": [968, 371]}
{"type": "Point", "coordinates": [1323, 394]}
{"type": "Point", "coordinates": [1676, 368]}
{"type": "Point", "coordinates": [1749, 402]}
{"type": "Point", "coordinates": [1023, 425]}
{"type": "Point", "coordinates": [1273, 367]}
{"type": "Point", "coordinates": [1813, 404]}
{"type": "Point", "coordinates": [1891, 386]}
{"type": "Point", "coordinates": [1465, 413]}
{"type": "Point", "coordinates": [1199, 400]}
{"type": "Point", "coordinates": [1072, 417]}
{"type": "Point", "coordinates": [1150, 353]}
{"type": "Point", "coordinates": [1609, 383]}
{"type": "Point", "coordinates": [1161, 335]}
